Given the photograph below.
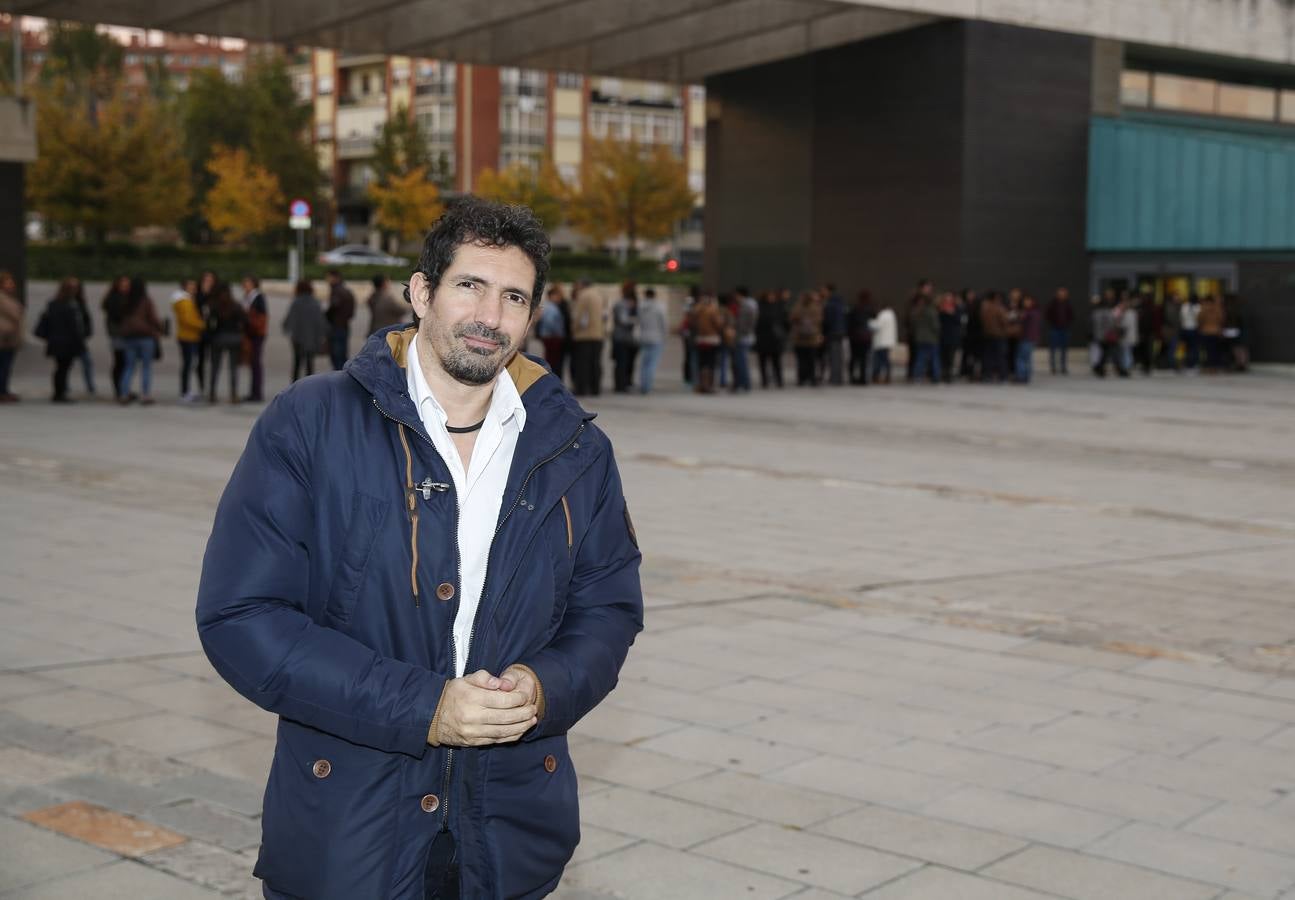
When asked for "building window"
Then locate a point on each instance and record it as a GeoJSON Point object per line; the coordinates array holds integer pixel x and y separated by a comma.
{"type": "Point", "coordinates": [1181, 94]}
{"type": "Point", "coordinates": [1288, 107]}
{"type": "Point", "coordinates": [1135, 88]}
{"type": "Point", "coordinates": [569, 172]}
{"type": "Point", "coordinates": [324, 131]}
{"type": "Point", "coordinates": [324, 85]}
{"type": "Point", "coordinates": [569, 80]}
{"type": "Point", "coordinates": [565, 127]}
{"type": "Point", "coordinates": [1245, 102]}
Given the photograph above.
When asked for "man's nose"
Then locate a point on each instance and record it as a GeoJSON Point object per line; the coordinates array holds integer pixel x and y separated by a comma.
{"type": "Point", "coordinates": [490, 309]}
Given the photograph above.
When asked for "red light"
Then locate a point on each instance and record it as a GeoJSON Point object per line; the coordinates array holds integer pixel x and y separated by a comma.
{"type": "Point", "coordinates": [672, 265]}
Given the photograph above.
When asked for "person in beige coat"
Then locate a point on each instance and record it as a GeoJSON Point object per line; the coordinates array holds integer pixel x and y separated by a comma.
{"type": "Point", "coordinates": [588, 330]}
{"type": "Point", "coordinates": [12, 314]}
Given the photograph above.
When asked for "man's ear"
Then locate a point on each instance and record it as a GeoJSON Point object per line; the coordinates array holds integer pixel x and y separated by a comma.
{"type": "Point", "coordinates": [420, 294]}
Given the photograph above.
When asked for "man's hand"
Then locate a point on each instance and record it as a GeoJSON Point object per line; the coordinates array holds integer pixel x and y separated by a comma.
{"type": "Point", "coordinates": [478, 709]}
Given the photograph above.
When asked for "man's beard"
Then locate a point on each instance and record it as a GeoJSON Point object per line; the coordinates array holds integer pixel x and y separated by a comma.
{"type": "Point", "coordinates": [473, 365]}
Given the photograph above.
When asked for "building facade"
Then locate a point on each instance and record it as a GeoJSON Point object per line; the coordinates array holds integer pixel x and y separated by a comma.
{"type": "Point", "coordinates": [483, 117]}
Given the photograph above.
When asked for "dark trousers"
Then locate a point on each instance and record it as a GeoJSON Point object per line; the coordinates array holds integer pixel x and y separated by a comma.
{"type": "Point", "coordinates": [947, 352]}
{"type": "Point", "coordinates": [119, 367]}
{"type": "Point", "coordinates": [807, 366]}
{"type": "Point", "coordinates": [587, 367]}
{"type": "Point", "coordinates": [1213, 350]}
{"type": "Point", "coordinates": [204, 351]}
{"type": "Point", "coordinates": [1058, 345]}
{"type": "Point", "coordinates": [303, 361]}
{"type": "Point", "coordinates": [1110, 355]}
{"type": "Point", "coordinates": [689, 361]}
{"type": "Point", "coordinates": [220, 349]}
{"type": "Point", "coordinates": [1191, 347]}
{"type": "Point", "coordinates": [623, 355]}
{"type": "Point", "coordinates": [441, 872]}
{"type": "Point", "coordinates": [6, 368]}
{"type": "Point", "coordinates": [971, 358]}
{"type": "Point", "coordinates": [707, 360]}
{"type": "Point", "coordinates": [994, 364]}
{"type": "Point", "coordinates": [770, 368]}
{"type": "Point", "coordinates": [257, 365]}
{"type": "Point", "coordinates": [339, 346]}
{"type": "Point", "coordinates": [859, 353]}
{"type": "Point", "coordinates": [555, 352]}
{"type": "Point", "coordinates": [190, 353]}
{"type": "Point", "coordinates": [62, 366]}
{"type": "Point", "coordinates": [881, 365]}
{"type": "Point", "coordinates": [836, 359]}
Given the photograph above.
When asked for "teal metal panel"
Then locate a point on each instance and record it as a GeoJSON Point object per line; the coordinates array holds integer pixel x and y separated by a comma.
{"type": "Point", "coordinates": [1195, 186]}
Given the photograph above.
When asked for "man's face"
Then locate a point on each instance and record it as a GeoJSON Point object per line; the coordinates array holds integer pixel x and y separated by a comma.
{"type": "Point", "coordinates": [248, 287]}
{"type": "Point", "coordinates": [479, 313]}
{"type": "Point", "coordinates": [190, 287]}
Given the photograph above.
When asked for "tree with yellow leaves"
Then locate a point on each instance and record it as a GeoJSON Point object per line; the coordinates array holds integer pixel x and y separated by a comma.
{"type": "Point", "coordinates": [407, 204]}
{"type": "Point", "coordinates": [245, 199]}
{"type": "Point", "coordinates": [540, 188]}
{"type": "Point", "coordinates": [109, 167]}
{"type": "Point", "coordinates": [631, 190]}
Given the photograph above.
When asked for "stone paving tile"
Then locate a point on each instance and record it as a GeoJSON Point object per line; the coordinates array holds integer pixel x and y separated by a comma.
{"type": "Point", "coordinates": [1260, 828]}
{"type": "Point", "coordinates": [632, 766]}
{"type": "Point", "coordinates": [932, 883]}
{"type": "Point", "coordinates": [1204, 779]}
{"type": "Point", "coordinates": [211, 867]}
{"type": "Point", "coordinates": [852, 739]}
{"type": "Point", "coordinates": [726, 751]}
{"type": "Point", "coordinates": [650, 872]}
{"type": "Point", "coordinates": [17, 684]}
{"type": "Point", "coordinates": [657, 818]}
{"type": "Point", "coordinates": [247, 760]}
{"type": "Point", "coordinates": [1202, 858]}
{"type": "Point", "coordinates": [243, 797]}
{"type": "Point", "coordinates": [167, 734]}
{"type": "Point", "coordinates": [123, 880]}
{"type": "Point", "coordinates": [862, 781]}
{"type": "Point", "coordinates": [677, 675]}
{"type": "Point", "coordinates": [22, 765]}
{"type": "Point", "coordinates": [796, 855]}
{"type": "Point", "coordinates": [29, 855]}
{"type": "Point", "coordinates": [22, 799]}
{"type": "Point", "coordinates": [114, 793]}
{"type": "Point", "coordinates": [1065, 697]}
{"type": "Point", "coordinates": [1043, 748]}
{"type": "Point", "coordinates": [920, 837]}
{"type": "Point", "coordinates": [1025, 817]}
{"type": "Point", "coordinates": [104, 828]}
{"type": "Point", "coordinates": [1247, 756]}
{"type": "Point", "coordinates": [1128, 685]}
{"type": "Point", "coordinates": [209, 824]}
{"type": "Point", "coordinates": [610, 722]}
{"type": "Point", "coordinates": [1201, 721]}
{"type": "Point", "coordinates": [1123, 799]}
{"type": "Point", "coordinates": [1207, 675]}
{"type": "Point", "coordinates": [1081, 877]}
{"type": "Point", "coordinates": [760, 799]}
{"type": "Point", "coordinates": [1119, 733]}
{"type": "Point", "coordinates": [688, 707]}
{"type": "Point", "coordinates": [111, 677]}
{"type": "Point", "coordinates": [964, 764]}
{"type": "Point", "coordinates": [595, 842]}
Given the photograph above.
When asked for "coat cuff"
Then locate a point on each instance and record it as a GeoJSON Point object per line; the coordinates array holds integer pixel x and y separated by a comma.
{"type": "Point", "coordinates": [539, 690]}
{"type": "Point", "coordinates": [433, 730]}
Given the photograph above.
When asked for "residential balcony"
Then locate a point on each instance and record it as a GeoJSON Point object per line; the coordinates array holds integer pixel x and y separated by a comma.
{"type": "Point", "coordinates": [370, 100]}
{"type": "Point", "coordinates": [355, 146]}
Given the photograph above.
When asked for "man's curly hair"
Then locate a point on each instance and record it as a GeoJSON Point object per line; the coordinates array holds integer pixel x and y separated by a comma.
{"type": "Point", "coordinates": [471, 220]}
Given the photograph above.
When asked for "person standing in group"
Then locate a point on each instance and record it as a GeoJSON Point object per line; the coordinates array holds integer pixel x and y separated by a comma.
{"type": "Point", "coordinates": [1031, 321]}
{"type": "Point", "coordinates": [207, 282]}
{"type": "Point", "coordinates": [885, 335]}
{"type": "Point", "coordinates": [1236, 347]}
{"type": "Point", "coordinates": [625, 324]}
{"type": "Point", "coordinates": [61, 329]}
{"type": "Point", "coordinates": [728, 337]}
{"type": "Point", "coordinates": [973, 337]}
{"type": "Point", "coordinates": [1149, 319]}
{"type": "Point", "coordinates": [744, 322]}
{"type": "Point", "coordinates": [707, 323]}
{"type": "Point", "coordinates": [686, 337]}
{"type": "Point", "coordinates": [226, 323]}
{"type": "Point", "coordinates": [834, 334]}
{"type": "Point", "coordinates": [385, 308]}
{"type": "Point", "coordinates": [588, 331]}
{"type": "Point", "coordinates": [306, 328]}
{"type": "Point", "coordinates": [551, 329]}
{"type": "Point", "coordinates": [1107, 328]}
{"type": "Point", "coordinates": [925, 339]}
{"type": "Point", "coordinates": [12, 316]}
{"type": "Point", "coordinates": [427, 645]}
{"type": "Point", "coordinates": [114, 305]}
{"type": "Point", "coordinates": [771, 327]}
{"type": "Point", "coordinates": [1189, 316]}
{"type": "Point", "coordinates": [1210, 321]}
{"type": "Point", "coordinates": [341, 309]}
{"type": "Point", "coordinates": [856, 326]}
{"type": "Point", "coordinates": [951, 324]}
{"type": "Point", "coordinates": [257, 327]}
{"type": "Point", "coordinates": [1170, 328]}
{"type": "Point", "coordinates": [189, 329]}
{"type": "Point", "coordinates": [140, 331]}
{"type": "Point", "coordinates": [1013, 310]}
{"type": "Point", "coordinates": [653, 330]}
{"type": "Point", "coordinates": [807, 337]}
{"type": "Point", "coordinates": [1128, 318]}
{"type": "Point", "coordinates": [1061, 318]}
{"type": "Point", "coordinates": [87, 331]}
{"type": "Point", "coordinates": [993, 329]}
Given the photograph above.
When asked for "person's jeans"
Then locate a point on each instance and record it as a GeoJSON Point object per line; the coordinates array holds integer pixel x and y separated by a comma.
{"type": "Point", "coordinates": [223, 347]}
{"type": "Point", "coordinates": [650, 356]}
{"type": "Point", "coordinates": [994, 364]}
{"type": "Point", "coordinates": [948, 352]}
{"type": "Point", "coordinates": [6, 368]}
{"type": "Point", "coordinates": [742, 366]}
{"type": "Point", "coordinates": [927, 363]}
{"type": "Point", "coordinates": [139, 352]}
{"type": "Point", "coordinates": [87, 370]}
{"type": "Point", "coordinates": [257, 365]}
{"type": "Point", "coordinates": [338, 347]}
{"type": "Point", "coordinates": [62, 368]}
{"type": "Point", "coordinates": [1058, 345]}
{"type": "Point", "coordinates": [770, 368]}
{"type": "Point", "coordinates": [303, 361]}
{"type": "Point", "coordinates": [722, 353]}
{"type": "Point", "coordinates": [1191, 348]}
{"type": "Point", "coordinates": [880, 364]}
{"type": "Point", "coordinates": [1126, 357]}
{"type": "Point", "coordinates": [1024, 361]}
{"type": "Point", "coordinates": [836, 360]}
{"type": "Point", "coordinates": [189, 351]}
{"type": "Point", "coordinates": [1170, 351]}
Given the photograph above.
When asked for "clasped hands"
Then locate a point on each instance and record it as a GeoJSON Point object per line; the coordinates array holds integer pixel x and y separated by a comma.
{"type": "Point", "coordinates": [481, 709]}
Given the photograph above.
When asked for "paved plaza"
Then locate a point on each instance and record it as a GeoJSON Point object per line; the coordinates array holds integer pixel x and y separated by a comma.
{"type": "Point", "coordinates": [904, 643]}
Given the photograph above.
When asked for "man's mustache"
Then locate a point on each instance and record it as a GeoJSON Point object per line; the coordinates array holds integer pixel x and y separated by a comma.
{"type": "Point", "coordinates": [485, 333]}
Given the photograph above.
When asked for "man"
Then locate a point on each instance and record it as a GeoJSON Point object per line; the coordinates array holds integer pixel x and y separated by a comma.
{"type": "Point", "coordinates": [551, 329]}
{"type": "Point", "coordinates": [925, 339]}
{"type": "Point", "coordinates": [341, 309]}
{"type": "Point", "coordinates": [258, 325]}
{"type": "Point", "coordinates": [385, 308]}
{"type": "Point", "coordinates": [748, 312]}
{"type": "Point", "coordinates": [834, 333]}
{"type": "Point", "coordinates": [652, 334]}
{"type": "Point", "coordinates": [993, 330]}
{"type": "Point", "coordinates": [1061, 316]}
{"type": "Point", "coordinates": [588, 329]}
{"type": "Point", "coordinates": [426, 567]}
{"type": "Point", "coordinates": [625, 344]}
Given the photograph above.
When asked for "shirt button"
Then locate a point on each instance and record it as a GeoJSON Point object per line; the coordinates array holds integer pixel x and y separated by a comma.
{"type": "Point", "coordinates": [430, 803]}
{"type": "Point", "coordinates": [444, 591]}
{"type": "Point", "coordinates": [550, 764]}
{"type": "Point", "coordinates": [321, 768]}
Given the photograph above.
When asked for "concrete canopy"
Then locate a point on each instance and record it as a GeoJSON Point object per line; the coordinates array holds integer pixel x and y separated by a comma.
{"type": "Point", "coordinates": [674, 40]}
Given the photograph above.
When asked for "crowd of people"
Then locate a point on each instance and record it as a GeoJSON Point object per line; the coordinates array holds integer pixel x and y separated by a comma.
{"type": "Point", "coordinates": [216, 327]}
{"type": "Point", "coordinates": [988, 337]}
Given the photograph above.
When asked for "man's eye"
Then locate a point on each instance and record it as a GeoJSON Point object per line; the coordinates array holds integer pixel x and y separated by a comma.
{"type": "Point", "coordinates": [468, 284]}
{"type": "Point", "coordinates": [517, 300]}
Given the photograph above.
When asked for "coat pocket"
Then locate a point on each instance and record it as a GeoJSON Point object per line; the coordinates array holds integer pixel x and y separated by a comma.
{"type": "Point", "coordinates": [365, 524]}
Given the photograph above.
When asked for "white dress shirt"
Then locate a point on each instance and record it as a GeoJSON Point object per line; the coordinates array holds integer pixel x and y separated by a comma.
{"type": "Point", "coordinates": [480, 489]}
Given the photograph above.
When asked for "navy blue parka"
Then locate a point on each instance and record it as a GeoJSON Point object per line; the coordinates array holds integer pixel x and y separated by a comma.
{"type": "Point", "coordinates": [319, 602]}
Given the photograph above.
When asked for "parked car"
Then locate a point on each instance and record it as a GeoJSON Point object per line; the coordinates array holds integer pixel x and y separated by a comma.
{"type": "Point", "coordinates": [359, 255]}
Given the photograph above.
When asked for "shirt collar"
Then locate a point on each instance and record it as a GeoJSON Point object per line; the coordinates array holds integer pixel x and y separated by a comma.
{"type": "Point", "coordinates": [505, 402]}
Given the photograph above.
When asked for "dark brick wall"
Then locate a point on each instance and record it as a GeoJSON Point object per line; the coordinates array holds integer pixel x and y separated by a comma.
{"type": "Point", "coordinates": [13, 249]}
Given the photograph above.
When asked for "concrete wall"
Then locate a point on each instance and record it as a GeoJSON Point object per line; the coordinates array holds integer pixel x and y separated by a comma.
{"type": "Point", "coordinates": [13, 242]}
{"type": "Point", "coordinates": [1268, 291]}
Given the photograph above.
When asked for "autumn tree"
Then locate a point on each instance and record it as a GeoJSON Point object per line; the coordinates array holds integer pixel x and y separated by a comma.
{"type": "Point", "coordinates": [83, 64]}
{"type": "Point", "coordinates": [406, 205]}
{"type": "Point", "coordinates": [112, 167]}
{"type": "Point", "coordinates": [631, 190]}
{"type": "Point", "coordinates": [400, 148]}
{"type": "Point", "coordinates": [541, 188]}
{"type": "Point", "coordinates": [245, 200]}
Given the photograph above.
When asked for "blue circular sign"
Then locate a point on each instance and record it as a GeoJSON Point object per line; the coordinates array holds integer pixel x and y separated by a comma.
{"type": "Point", "coordinates": [299, 208]}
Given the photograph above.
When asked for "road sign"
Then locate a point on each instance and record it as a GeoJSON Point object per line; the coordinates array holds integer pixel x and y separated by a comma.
{"type": "Point", "coordinates": [299, 215]}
